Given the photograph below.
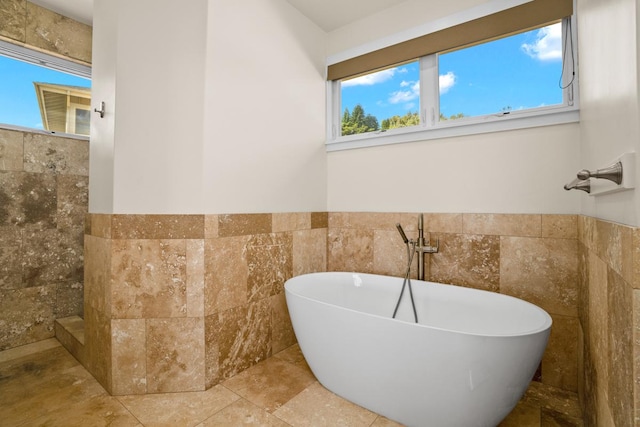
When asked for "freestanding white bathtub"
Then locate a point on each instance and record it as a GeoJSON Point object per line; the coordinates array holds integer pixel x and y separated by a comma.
{"type": "Point", "coordinates": [466, 363]}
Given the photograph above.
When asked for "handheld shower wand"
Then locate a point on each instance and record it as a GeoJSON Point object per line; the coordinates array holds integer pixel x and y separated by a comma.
{"type": "Point", "coordinates": [401, 231]}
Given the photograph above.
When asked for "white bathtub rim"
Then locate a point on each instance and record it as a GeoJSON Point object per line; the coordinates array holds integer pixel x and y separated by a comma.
{"type": "Point", "coordinates": [545, 326]}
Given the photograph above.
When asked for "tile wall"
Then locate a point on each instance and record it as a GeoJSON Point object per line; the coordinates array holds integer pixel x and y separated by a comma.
{"type": "Point", "coordinates": [533, 257]}
{"type": "Point", "coordinates": [179, 303]}
{"type": "Point", "coordinates": [43, 195]}
{"type": "Point", "coordinates": [43, 201]}
{"type": "Point", "coordinates": [36, 27]}
{"type": "Point", "coordinates": [609, 307]}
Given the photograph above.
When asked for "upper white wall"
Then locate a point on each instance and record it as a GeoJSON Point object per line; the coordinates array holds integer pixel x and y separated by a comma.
{"type": "Point", "coordinates": [264, 109]}
{"type": "Point", "coordinates": [608, 37]}
{"type": "Point", "coordinates": [520, 171]}
{"type": "Point", "coordinates": [149, 69]}
{"type": "Point", "coordinates": [213, 106]}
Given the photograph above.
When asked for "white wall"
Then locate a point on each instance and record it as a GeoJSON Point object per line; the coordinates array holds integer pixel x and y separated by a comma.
{"type": "Point", "coordinates": [213, 106]}
{"type": "Point", "coordinates": [149, 69]}
{"type": "Point", "coordinates": [520, 171]}
{"type": "Point", "coordinates": [264, 112]}
{"type": "Point", "coordinates": [609, 104]}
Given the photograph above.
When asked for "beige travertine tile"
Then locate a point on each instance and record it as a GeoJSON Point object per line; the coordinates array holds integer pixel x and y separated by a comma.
{"type": "Point", "coordinates": [73, 202]}
{"type": "Point", "coordinates": [51, 256]}
{"type": "Point", "coordinates": [319, 220]}
{"type": "Point", "coordinates": [294, 356]}
{"type": "Point", "coordinates": [237, 339]}
{"type": "Point", "coordinates": [409, 222]}
{"type": "Point", "coordinates": [28, 315]}
{"type": "Point", "coordinates": [13, 19]}
{"type": "Point", "coordinates": [270, 264]}
{"type": "Point", "coordinates": [282, 335]}
{"type": "Point", "coordinates": [242, 412]}
{"type": "Point", "coordinates": [350, 250]}
{"type": "Point", "coordinates": [10, 257]}
{"type": "Point", "coordinates": [186, 409]}
{"type": "Point", "coordinates": [636, 353]}
{"type": "Point", "coordinates": [210, 226]}
{"type": "Point", "coordinates": [503, 224]}
{"type": "Point", "coordinates": [270, 384]}
{"type": "Point", "coordinates": [443, 223]}
{"type": "Point", "coordinates": [290, 221]}
{"type": "Point", "coordinates": [556, 419]}
{"type": "Point", "coordinates": [97, 411]}
{"type": "Point", "coordinates": [158, 226]}
{"type": "Point", "coordinates": [58, 34]}
{"type": "Point", "coordinates": [129, 363]}
{"type": "Point", "coordinates": [635, 267]}
{"type": "Point", "coordinates": [243, 224]}
{"type": "Point", "coordinates": [613, 245]}
{"type": "Point", "coordinates": [98, 225]}
{"type": "Point", "coordinates": [598, 327]}
{"type": "Point", "coordinates": [621, 376]}
{"type": "Point", "coordinates": [11, 146]}
{"type": "Point", "coordinates": [175, 355]}
{"type": "Point", "coordinates": [338, 220]}
{"type": "Point", "coordinates": [28, 199]}
{"type": "Point", "coordinates": [53, 154]}
{"type": "Point", "coordinates": [467, 260]}
{"type": "Point", "coordinates": [28, 401]}
{"type": "Point", "coordinates": [69, 299]}
{"type": "Point", "coordinates": [373, 220]}
{"type": "Point", "coordinates": [97, 273]}
{"type": "Point", "coordinates": [390, 254]}
{"type": "Point", "coordinates": [385, 422]}
{"type": "Point", "coordinates": [523, 415]}
{"type": "Point", "coordinates": [553, 399]}
{"type": "Point", "coordinates": [226, 273]}
{"type": "Point", "coordinates": [541, 271]}
{"type": "Point", "coordinates": [560, 226]}
{"type": "Point", "coordinates": [195, 278]}
{"type": "Point", "coordinates": [309, 251]}
{"type": "Point", "coordinates": [149, 278]}
{"type": "Point", "coordinates": [587, 233]}
{"type": "Point", "coordinates": [28, 349]}
{"type": "Point", "coordinates": [559, 363]}
{"type": "Point", "coordinates": [97, 336]}
{"type": "Point", "coordinates": [324, 408]}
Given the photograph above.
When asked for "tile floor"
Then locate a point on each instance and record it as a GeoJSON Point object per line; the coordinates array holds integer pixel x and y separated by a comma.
{"type": "Point", "coordinates": [41, 384]}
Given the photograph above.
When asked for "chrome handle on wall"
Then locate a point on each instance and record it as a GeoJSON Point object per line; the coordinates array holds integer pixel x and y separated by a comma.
{"type": "Point", "coordinates": [579, 184]}
{"type": "Point", "coordinates": [612, 173]}
{"type": "Point", "coordinates": [101, 110]}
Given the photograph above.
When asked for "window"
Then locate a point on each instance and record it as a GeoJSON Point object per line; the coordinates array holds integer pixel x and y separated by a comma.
{"type": "Point", "coordinates": [522, 79]}
{"type": "Point", "coordinates": [43, 92]}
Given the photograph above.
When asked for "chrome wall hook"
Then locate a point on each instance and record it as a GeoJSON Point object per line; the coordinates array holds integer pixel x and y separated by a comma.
{"type": "Point", "coordinates": [101, 110]}
{"type": "Point", "coordinates": [612, 173]}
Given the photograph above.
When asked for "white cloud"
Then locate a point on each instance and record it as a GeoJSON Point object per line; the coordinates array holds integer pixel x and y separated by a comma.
{"type": "Point", "coordinates": [405, 95]}
{"type": "Point", "coordinates": [548, 44]}
{"type": "Point", "coordinates": [370, 79]}
{"type": "Point", "coordinates": [447, 81]}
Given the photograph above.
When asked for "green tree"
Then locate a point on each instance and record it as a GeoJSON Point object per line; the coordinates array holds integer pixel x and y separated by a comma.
{"type": "Point", "coordinates": [409, 119]}
{"type": "Point", "coordinates": [358, 121]}
{"type": "Point", "coordinates": [452, 117]}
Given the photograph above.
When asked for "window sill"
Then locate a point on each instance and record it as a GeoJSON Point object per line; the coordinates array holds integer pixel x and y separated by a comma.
{"type": "Point", "coordinates": [471, 126]}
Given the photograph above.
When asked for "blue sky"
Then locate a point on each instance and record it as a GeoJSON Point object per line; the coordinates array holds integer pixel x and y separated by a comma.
{"type": "Point", "coordinates": [518, 72]}
{"type": "Point", "coordinates": [18, 102]}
